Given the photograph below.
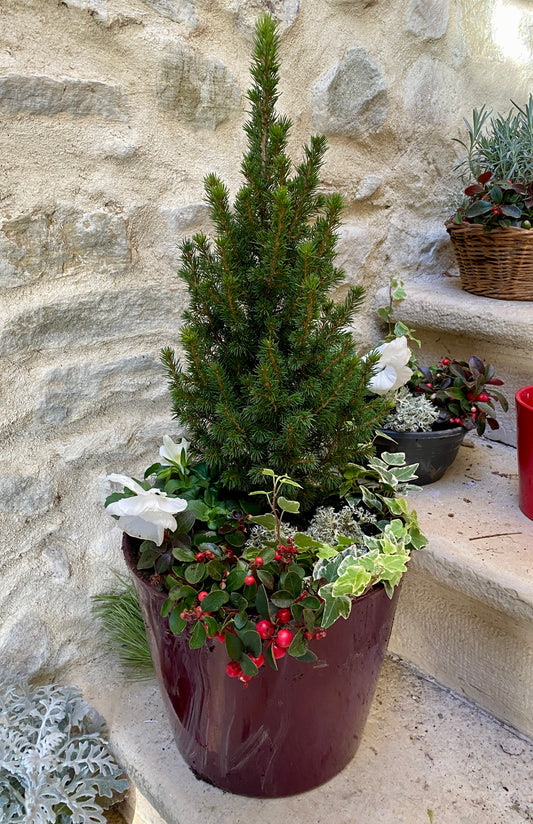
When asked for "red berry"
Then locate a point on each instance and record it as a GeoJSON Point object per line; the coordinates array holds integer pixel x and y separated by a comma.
{"type": "Point", "coordinates": [284, 638]}
{"type": "Point", "coordinates": [277, 556]}
{"type": "Point", "coordinates": [278, 652]}
{"type": "Point", "coordinates": [445, 361]}
{"type": "Point", "coordinates": [259, 661]}
{"type": "Point", "coordinates": [283, 615]}
{"type": "Point", "coordinates": [233, 669]}
{"type": "Point", "coordinates": [249, 580]}
{"type": "Point", "coordinates": [265, 629]}
{"type": "Point", "coordinates": [244, 678]}
{"type": "Point", "coordinates": [259, 561]}
{"type": "Point", "coordinates": [308, 635]}
{"type": "Point", "coordinates": [200, 556]}
{"type": "Point", "coordinates": [202, 595]}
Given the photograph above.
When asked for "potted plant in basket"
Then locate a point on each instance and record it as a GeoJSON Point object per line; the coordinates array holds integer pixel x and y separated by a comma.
{"type": "Point", "coordinates": [266, 554]}
{"type": "Point", "coordinates": [491, 229]}
{"type": "Point", "coordinates": [431, 407]}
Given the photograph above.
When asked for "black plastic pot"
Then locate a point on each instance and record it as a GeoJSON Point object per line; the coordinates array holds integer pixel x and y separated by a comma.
{"type": "Point", "coordinates": [285, 732]}
{"type": "Point", "coordinates": [434, 452]}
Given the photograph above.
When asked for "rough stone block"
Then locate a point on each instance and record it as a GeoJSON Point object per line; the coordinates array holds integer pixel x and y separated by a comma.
{"type": "Point", "coordinates": [354, 245]}
{"type": "Point", "coordinates": [25, 495]}
{"type": "Point", "coordinates": [351, 98]}
{"type": "Point", "coordinates": [179, 223]}
{"type": "Point", "coordinates": [422, 248]}
{"type": "Point", "coordinates": [179, 11]}
{"type": "Point", "coordinates": [107, 13]}
{"type": "Point", "coordinates": [93, 318]}
{"type": "Point", "coordinates": [42, 95]}
{"type": "Point", "coordinates": [246, 12]}
{"type": "Point", "coordinates": [427, 84]}
{"type": "Point", "coordinates": [367, 187]}
{"type": "Point", "coordinates": [25, 647]}
{"type": "Point", "coordinates": [357, 4]}
{"type": "Point", "coordinates": [56, 561]}
{"type": "Point", "coordinates": [61, 242]}
{"type": "Point", "coordinates": [428, 19]}
{"type": "Point", "coordinates": [200, 91]}
{"type": "Point", "coordinates": [72, 393]}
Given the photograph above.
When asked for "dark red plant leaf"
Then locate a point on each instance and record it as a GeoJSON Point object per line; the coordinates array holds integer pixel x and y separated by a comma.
{"type": "Point", "coordinates": [484, 178]}
{"type": "Point", "coordinates": [474, 189]}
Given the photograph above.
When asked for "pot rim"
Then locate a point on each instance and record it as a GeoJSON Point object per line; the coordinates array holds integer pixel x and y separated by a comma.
{"type": "Point", "coordinates": [521, 400]}
{"type": "Point", "coordinates": [452, 432]}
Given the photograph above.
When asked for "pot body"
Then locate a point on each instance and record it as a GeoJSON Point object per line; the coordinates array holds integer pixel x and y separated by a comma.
{"type": "Point", "coordinates": [285, 732]}
{"type": "Point", "coordinates": [434, 452]}
{"type": "Point", "coordinates": [524, 431]}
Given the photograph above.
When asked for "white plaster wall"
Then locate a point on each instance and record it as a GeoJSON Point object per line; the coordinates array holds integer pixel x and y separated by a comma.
{"type": "Point", "coordinates": [102, 158]}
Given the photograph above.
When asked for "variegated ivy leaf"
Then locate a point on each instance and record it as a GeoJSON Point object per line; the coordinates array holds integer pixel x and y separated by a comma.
{"type": "Point", "coordinates": [329, 569]}
{"type": "Point", "coordinates": [334, 606]}
{"type": "Point", "coordinates": [353, 582]}
{"type": "Point", "coordinates": [393, 458]}
{"type": "Point", "coordinates": [396, 506]}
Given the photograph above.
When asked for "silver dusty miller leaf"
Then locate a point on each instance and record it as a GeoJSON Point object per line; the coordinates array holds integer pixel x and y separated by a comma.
{"type": "Point", "coordinates": [55, 764]}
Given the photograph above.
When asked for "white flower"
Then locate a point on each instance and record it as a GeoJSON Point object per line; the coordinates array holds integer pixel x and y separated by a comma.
{"type": "Point", "coordinates": [148, 513]}
{"type": "Point", "coordinates": [173, 453]}
{"type": "Point", "coordinates": [392, 365]}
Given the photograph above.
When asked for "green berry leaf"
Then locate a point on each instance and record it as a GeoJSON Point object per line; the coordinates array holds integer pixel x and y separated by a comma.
{"type": "Point", "coordinates": [282, 598]}
{"type": "Point", "coordinates": [234, 646]}
{"type": "Point", "coordinates": [195, 573]}
{"type": "Point", "coordinates": [247, 665]}
{"type": "Point", "coordinates": [215, 600]}
{"type": "Point", "coordinates": [198, 637]}
{"type": "Point", "coordinates": [175, 622]}
{"type": "Point", "coordinates": [298, 645]}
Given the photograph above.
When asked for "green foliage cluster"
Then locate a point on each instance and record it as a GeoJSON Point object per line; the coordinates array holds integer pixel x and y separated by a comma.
{"type": "Point", "coordinates": [121, 619]}
{"type": "Point", "coordinates": [271, 378]}
{"type": "Point", "coordinates": [271, 374]}
{"type": "Point", "coordinates": [450, 392]}
{"type": "Point", "coordinates": [214, 591]}
{"type": "Point", "coordinates": [501, 144]}
{"type": "Point", "coordinates": [499, 158]}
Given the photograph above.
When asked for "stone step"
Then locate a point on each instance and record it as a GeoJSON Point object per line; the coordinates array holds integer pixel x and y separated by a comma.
{"type": "Point", "coordinates": [465, 615]}
{"type": "Point", "coordinates": [425, 756]}
{"type": "Point", "coordinates": [450, 321]}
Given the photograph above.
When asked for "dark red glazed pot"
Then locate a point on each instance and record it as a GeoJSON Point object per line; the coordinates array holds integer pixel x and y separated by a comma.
{"type": "Point", "coordinates": [524, 432]}
{"type": "Point", "coordinates": [285, 732]}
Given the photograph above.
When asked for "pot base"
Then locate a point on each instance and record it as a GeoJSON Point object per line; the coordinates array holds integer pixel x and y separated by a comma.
{"type": "Point", "coordinates": [284, 732]}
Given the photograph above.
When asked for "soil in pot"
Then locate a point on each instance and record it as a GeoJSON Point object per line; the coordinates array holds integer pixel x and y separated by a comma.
{"type": "Point", "coordinates": [434, 451]}
{"type": "Point", "coordinates": [285, 732]}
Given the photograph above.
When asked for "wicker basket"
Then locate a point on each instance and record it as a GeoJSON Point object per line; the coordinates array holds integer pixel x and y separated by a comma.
{"type": "Point", "coordinates": [495, 264]}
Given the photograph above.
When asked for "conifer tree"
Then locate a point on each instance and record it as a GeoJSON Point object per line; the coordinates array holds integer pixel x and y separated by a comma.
{"type": "Point", "coordinates": [272, 377]}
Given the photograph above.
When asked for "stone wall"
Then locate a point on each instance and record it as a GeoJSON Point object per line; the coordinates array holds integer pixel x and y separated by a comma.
{"type": "Point", "coordinates": [112, 112]}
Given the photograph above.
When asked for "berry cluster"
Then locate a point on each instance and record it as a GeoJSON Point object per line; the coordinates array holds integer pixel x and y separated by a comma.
{"type": "Point", "coordinates": [286, 552]}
